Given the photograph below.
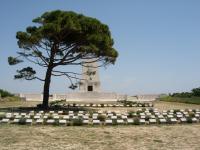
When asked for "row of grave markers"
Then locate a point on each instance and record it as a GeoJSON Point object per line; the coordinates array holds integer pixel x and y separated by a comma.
{"type": "Point", "coordinates": [108, 117]}
{"type": "Point", "coordinates": [108, 105]}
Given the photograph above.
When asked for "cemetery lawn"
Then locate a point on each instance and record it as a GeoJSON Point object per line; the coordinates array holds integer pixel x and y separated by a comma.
{"type": "Point", "coordinates": [6, 106]}
{"type": "Point", "coordinates": [179, 137]}
{"type": "Point", "coordinates": [155, 137]}
{"type": "Point", "coordinates": [192, 100]}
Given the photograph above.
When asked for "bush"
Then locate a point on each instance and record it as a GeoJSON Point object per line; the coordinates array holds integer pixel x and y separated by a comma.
{"type": "Point", "coordinates": [139, 111]}
{"type": "Point", "coordinates": [2, 116]}
{"type": "Point", "coordinates": [189, 120]}
{"type": "Point", "coordinates": [176, 110]}
{"type": "Point", "coordinates": [130, 114]}
{"type": "Point", "coordinates": [56, 102]}
{"type": "Point", "coordinates": [50, 117]}
{"type": "Point", "coordinates": [147, 118]}
{"type": "Point", "coordinates": [191, 114]}
{"type": "Point", "coordinates": [151, 110]}
{"type": "Point", "coordinates": [196, 92]}
{"type": "Point", "coordinates": [169, 120]}
{"type": "Point", "coordinates": [102, 105]}
{"type": "Point", "coordinates": [22, 121]}
{"type": "Point", "coordinates": [143, 109]}
{"type": "Point", "coordinates": [77, 122]}
{"type": "Point", "coordinates": [5, 93]}
{"type": "Point", "coordinates": [114, 122]}
{"type": "Point", "coordinates": [39, 106]}
{"type": "Point", "coordinates": [56, 123]}
{"type": "Point", "coordinates": [101, 118]}
{"type": "Point", "coordinates": [136, 121]}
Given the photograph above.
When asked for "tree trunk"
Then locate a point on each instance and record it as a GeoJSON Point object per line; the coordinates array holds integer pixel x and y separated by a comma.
{"type": "Point", "coordinates": [47, 81]}
{"type": "Point", "coordinates": [46, 88]}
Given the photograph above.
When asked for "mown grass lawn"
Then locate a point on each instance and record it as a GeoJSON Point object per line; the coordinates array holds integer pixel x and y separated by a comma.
{"type": "Point", "coordinates": [192, 100]}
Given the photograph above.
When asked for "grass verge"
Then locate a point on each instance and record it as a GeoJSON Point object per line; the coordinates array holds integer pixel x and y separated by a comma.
{"type": "Point", "coordinates": [192, 100]}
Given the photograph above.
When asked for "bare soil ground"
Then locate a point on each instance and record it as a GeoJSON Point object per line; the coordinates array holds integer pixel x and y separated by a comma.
{"type": "Point", "coordinates": [179, 137]}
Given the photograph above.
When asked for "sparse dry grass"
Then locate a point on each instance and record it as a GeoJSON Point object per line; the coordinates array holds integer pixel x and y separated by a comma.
{"type": "Point", "coordinates": [179, 137]}
{"type": "Point", "coordinates": [164, 137]}
{"type": "Point", "coordinates": [20, 103]}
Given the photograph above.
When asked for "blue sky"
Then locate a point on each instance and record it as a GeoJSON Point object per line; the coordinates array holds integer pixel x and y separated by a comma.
{"type": "Point", "coordinates": [158, 43]}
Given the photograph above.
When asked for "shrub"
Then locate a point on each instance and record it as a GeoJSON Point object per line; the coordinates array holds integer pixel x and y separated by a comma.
{"type": "Point", "coordinates": [5, 93]}
{"type": "Point", "coordinates": [50, 117]}
{"type": "Point", "coordinates": [102, 105]}
{"type": "Point", "coordinates": [39, 106]}
{"type": "Point", "coordinates": [22, 121]}
{"type": "Point", "coordinates": [56, 123]}
{"type": "Point", "coordinates": [138, 112]}
{"type": "Point", "coordinates": [176, 110]}
{"type": "Point", "coordinates": [2, 116]}
{"type": "Point", "coordinates": [56, 102]}
{"type": "Point", "coordinates": [151, 110]}
{"type": "Point", "coordinates": [119, 117]}
{"type": "Point", "coordinates": [114, 122]}
{"type": "Point", "coordinates": [196, 92]}
{"type": "Point", "coordinates": [130, 114]}
{"type": "Point", "coordinates": [101, 118]}
{"type": "Point", "coordinates": [136, 121]}
{"type": "Point", "coordinates": [147, 118]}
{"type": "Point", "coordinates": [77, 122]}
{"type": "Point", "coordinates": [189, 120]}
{"type": "Point", "coordinates": [143, 109]}
{"type": "Point", "coordinates": [191, 114]}
{"type": "Point", "coordinates": [32, 116]}
{"type": "Point", "coordinates": [169, 120]}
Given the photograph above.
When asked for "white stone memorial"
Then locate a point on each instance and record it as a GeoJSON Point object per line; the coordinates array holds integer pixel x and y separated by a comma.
{"type": "Point", "coordinates": [62, 121]}
{"type": "Point", "coordinates": [39, 121]}
{"type": "Point", "coordinates": [29, 121]}
{"type": "Point", "coordinates": [108, 121]}
{"type": "Point", "coordinates": [163, 120]}
{"type": "Point", "coordinates": [129, 120]}
{"type": "Point", "coordinates": [120, 121]}
{"type": "Point", "coordinates": [85, 121]}
{"type": "Point", "coordinates": [96, 121]}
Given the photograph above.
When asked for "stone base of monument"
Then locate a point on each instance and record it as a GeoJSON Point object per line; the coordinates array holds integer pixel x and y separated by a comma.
{"type": "Point", "coordinates": [94, 97]}
{"type": "Point", "coordinates": [90, 96]}
{"type": "Point", "coordinates": [78, 96]}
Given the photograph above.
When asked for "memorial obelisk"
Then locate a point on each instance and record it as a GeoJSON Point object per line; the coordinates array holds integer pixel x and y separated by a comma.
{"type": "Point", "coordinates": [90, 81]}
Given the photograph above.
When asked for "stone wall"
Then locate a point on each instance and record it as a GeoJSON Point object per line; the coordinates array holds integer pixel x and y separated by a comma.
{"type": "Point", "coordinates": [31, 97]}
{"type": "Point", "coordinates": [77, 96]}
{"type": "Point", "coordinates": [89, 97]}
{"type": "Point", "coordinates": [147, 97]}
{"type": "Point", "coordinates": [92, 96]}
